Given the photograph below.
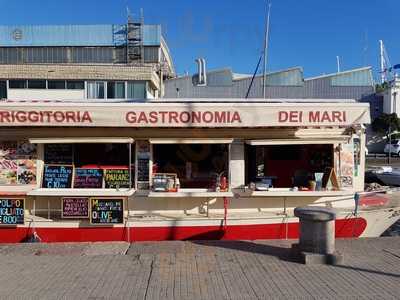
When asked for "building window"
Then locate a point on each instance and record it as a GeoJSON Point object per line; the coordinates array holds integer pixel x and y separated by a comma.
{"type": "Point", "coordinates": [17, 84]}
{"type": "Point", "coordinates": [36, 84]}
{"type": "Point", "coordinates": [137, 90]}
{"type": "Point", "coordinates": [95, 90]}
{"type": "Point", "coordinates": [75, 85]}
{"type": "Point", "coordinates": [3, 90]}
{"type": "Point", "coordinates": [115, 90]}
{"type": "Point", "coordinates": [56, 84]}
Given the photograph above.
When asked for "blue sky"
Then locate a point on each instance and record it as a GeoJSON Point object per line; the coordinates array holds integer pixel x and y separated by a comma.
{"type": "Point", "coordinates": [308, 33]}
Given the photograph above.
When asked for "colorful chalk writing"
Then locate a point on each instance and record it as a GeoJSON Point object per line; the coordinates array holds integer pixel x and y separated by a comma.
{"type": "Point", "coordinates": [116, 178]}
{"type": "Point", "coordinates": [75, 207]}
{"type": "Point", "coordinates": [57, 177]}
{"type": "Point", "coordinates": [11, 211]}
{"type": "Point", "coordinates": [88, 178]}
{"type": "Point", "coordinates": [106, 210]}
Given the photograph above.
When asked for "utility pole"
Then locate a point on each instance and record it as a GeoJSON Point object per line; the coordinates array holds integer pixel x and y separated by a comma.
{"type": "Point", "coordinates": [390, 144]}
{"type": "Point", "coordinates": [266, 42]}
{"type": "Point", "coordinates": [393, 110]}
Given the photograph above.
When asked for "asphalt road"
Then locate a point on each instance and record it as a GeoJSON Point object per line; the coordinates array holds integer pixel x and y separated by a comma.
{"type": "Point", "coordinates": [382, 161]}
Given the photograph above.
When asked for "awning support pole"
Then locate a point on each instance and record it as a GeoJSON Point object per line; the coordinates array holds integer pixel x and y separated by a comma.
{"type": "Point", "coordinates": [130, 165]}
{"type": "Point", "coordinates": [225, 211]}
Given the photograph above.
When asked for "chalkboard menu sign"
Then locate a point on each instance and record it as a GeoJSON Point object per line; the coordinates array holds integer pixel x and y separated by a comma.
{"type": "Point", "coordinates": [11, 211]}
{"type": "Point", "coordinates": [106, 210]}
{"type": "Point", "coordinates": [57, 176]}
{"type": "Point", "coordinates": [116, 178]}
{"type": "Point", "coordinates": [88, 178]}
{"type": "Point", "coordinates": [75, 207]}
{"type": "Point", "coordinates": [58, 153]}
{"type": "Point", "coordinates": [143, 165]}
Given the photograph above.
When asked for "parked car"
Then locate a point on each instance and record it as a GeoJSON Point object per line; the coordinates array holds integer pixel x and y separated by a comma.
{"type": "Point", "coordinates": [384, 175]}
{"type": "Point", "coordinates": [394, 147]}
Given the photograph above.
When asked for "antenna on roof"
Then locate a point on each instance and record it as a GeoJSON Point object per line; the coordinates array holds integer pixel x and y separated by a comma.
{"type": "Point", "coordinates": [365, 49]}
{"type": "Point", "coordinates": [128, 14]}
{"type": "Point", "coordinates": [141, 16]}
{"type": "Point", "coordinates": [338, 63]}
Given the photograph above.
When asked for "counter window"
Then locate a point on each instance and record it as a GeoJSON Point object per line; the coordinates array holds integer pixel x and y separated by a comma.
{"type": "Point", "coordinates": [195, 165]}
{"type": "Point", "coordinates": [88, 166]}
{"type": "Point", "coordinates": [287, 165]}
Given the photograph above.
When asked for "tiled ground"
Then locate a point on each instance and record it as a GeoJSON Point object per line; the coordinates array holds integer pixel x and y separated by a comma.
{"type": "Point", "coordinates": [197, 270]}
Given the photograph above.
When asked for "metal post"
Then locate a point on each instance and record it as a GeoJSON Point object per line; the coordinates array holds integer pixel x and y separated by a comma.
{"type": "Point", "coordinates": [338, 63]}
{"type": "Point", "coordinates": [285, 218]}
{"type": "Point", "coordinates": [284, 206]}
{"type": "Point", "coordinates": [225, 211]}
{"type": "Point", "coordinates": [130, 165]}
{"type": "Point", "coordinates": [390, 143]}
{"type": "Point", "coordinates": [127, 221]}
{"type": "Point", "coordinates": [266, 49]}
{"type": "Point", "coordinates": [161, 81]}
{"type": "Point", "coordinates": [34, 206]}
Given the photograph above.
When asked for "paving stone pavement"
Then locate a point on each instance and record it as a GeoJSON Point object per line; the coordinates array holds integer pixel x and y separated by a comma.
{"type": "Point", "coordinates": [197, 270]}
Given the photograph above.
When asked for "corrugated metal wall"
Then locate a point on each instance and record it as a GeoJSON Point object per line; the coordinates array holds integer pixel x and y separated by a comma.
{"type": "Point", "coordinates": [286, 84]}
{"type": "Point", "coordinates": [359, 78]}
{"type": "Point", "coordinates": [56, 35]}
{"type": "Point", "coordinates": [151, 54]}
{"type": "Point", "coordinates": [20, 55]}
{"type": "Point", "coordinates": [151, 35]}
{"type": "Point", "coordinates": [73, 35]}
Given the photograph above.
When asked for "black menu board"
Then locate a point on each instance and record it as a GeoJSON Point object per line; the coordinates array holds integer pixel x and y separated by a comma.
{"type": "Point", "coordinates": [143, 156]}
{"type": "Point", "coordinates": [75, 207]}
{"type": "Point", "coordinates": [88, 178]}
{"type": "Point", "coordinates": [57, 176]}
{"type": "Point", "coordinates": [106, 210]}
{"type": "Point", "coordinates": [58, 153]}
{"type": "Point", "coordinates": [116, 178]}
{"type": "Point", "coordinates": [143, 165]}
{"type": "Point", "coordinates": [11, 211]}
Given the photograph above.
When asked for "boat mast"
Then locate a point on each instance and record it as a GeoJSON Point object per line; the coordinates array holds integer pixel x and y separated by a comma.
{"type": "Point", "coordinates": [382, 58]}
{"type": "Point", "coordinates": [266, 42]}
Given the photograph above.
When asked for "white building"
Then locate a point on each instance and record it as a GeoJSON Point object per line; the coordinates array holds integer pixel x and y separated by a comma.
{"type": "Point", "coordinates": [83, 62]}
{"type": "Point", "coordinates": [391, 101]}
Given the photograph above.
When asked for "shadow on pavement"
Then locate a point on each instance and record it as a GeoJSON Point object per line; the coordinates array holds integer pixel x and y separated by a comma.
{"type": "Point", "coordinates": [368, 271]}
{"type": "Point", "coordinates": [251, 247]}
